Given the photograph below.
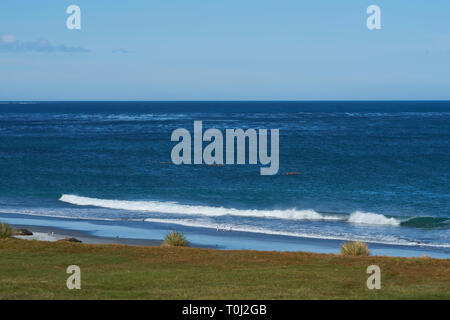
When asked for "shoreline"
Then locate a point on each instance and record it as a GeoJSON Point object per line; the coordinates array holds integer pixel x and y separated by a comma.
{"type": "Point", "coordinates": [85, 237]}
{"type": "Point", "coordinates": [152, 234]}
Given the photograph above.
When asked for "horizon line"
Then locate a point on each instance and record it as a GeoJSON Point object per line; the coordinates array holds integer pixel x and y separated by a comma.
{"type": "Point", "coordinates": [242, 100]}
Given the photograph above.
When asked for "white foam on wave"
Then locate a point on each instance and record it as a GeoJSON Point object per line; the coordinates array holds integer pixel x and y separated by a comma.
{"type": "Point", "coordinates": [242, 228]}
{"type": "Point", "coordinates": [176, 208]}
{"type": "Point", "coordinates": [357, 217]}
{"type": "Point", "coordinates": [360, 217]}
{"type": "Point", "coordinates": [50, 215]}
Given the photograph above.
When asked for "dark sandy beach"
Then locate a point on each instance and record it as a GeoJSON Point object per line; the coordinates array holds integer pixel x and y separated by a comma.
{"type": "Point", "coordinates": [85, 237]}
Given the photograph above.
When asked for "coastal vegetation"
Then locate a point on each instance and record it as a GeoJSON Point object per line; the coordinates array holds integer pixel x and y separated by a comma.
{"type": "Point", "coordinates": [5, 231]}
{"type": "Point", "coordinates": [32, 269]}
{"type": "Point", "coordinates": [355, 248]}
{"type": "Point", "coordinates": [175, 239]}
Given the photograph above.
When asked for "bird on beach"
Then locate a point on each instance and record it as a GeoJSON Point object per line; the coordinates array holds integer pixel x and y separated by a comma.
{"type": "Point", "coordinates": [223, 230]}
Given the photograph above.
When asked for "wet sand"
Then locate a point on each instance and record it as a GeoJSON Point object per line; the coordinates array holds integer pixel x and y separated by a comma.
{"type": "Point", "coordinates": [53, 234]}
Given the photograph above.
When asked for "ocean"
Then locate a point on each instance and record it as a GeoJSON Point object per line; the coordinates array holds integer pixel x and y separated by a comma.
{"type": "Point", "coordinates": [378, 172]}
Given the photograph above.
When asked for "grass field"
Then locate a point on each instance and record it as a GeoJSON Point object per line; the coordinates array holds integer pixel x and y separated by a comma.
{"type": "Point", "coordinates": [37, 270]}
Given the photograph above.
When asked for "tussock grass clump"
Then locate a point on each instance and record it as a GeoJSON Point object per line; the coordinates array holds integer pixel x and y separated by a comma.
{"type": "Point", "coordinates": [175, 239]}
{"type": "Point", "coordinates": [5, 231]}
{"type": "Point", "coordinates": [355, 248]}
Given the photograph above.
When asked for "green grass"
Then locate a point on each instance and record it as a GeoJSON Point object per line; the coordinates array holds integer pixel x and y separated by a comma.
{"type": "Point", "coordinates": [355, 248]}
{"type": "Point", "coordinates": [37, 270]}
{"type": "Point", "coordinates": [5, 231]}
{"type": "Point", "coordinates": [175, 239]}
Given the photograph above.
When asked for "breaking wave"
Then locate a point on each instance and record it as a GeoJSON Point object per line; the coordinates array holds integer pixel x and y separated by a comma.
{"type": "Point", "coordinates": [372, 218]}
{"type": "Point", "coordinates": [357, 217]}
{"type": "Point", "coordinates": [176, 208]}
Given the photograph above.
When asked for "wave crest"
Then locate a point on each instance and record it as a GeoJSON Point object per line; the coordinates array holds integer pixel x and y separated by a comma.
{"type": "Point", "coordinates": [372, 218]}
{"type": "Point", "coordinates": [357, 217]}
{"type": "Point", "coordinates": [176, 208]}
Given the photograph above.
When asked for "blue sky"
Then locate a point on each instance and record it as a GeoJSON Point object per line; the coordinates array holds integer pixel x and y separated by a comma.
{"type": "Point", "coordinates": [224, 50]}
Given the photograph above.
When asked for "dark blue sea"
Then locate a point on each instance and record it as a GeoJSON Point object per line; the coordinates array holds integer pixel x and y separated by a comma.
{"type": "Point", "coordinates": [372, 171]}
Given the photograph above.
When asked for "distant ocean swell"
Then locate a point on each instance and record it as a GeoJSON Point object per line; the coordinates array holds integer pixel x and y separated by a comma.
{"type": "Point", "coordinates": [357, 217]}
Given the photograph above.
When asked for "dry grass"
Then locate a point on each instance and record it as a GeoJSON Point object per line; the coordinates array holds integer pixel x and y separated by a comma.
{"type": "Point", "coordinates": [175, 239]}
{"type": "Point", "coordinates": [355, 248]}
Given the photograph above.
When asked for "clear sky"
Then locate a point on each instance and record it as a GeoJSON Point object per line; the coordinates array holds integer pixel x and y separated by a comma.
{"type": "Point", "coordinates": [224, 50]}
